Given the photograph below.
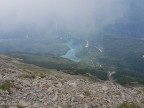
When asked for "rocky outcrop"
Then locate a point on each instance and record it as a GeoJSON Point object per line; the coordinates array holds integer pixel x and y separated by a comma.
{"type": "Point", "coordinates": [58, 89]}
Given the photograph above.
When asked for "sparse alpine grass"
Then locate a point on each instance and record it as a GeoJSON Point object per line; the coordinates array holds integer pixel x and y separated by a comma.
{"type": "Point", "coordinates": [129, 105]}
{"type": "Point", "coordinates": [6, 86]}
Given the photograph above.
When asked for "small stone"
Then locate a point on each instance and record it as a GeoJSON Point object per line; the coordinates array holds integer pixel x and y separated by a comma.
{"type": "Point", "coordinates": [86, 106]}
{"type": "Point", "coordinates": [59, 85]}
{"type": "Point", "coordinates": [40, 100]}
{"type": "Point", "coordinates": [59, 106]}
{"type": "Point", "coordinates": [14, 104]}
{"type": "Point", "coordinates": [22, 103]}
{"type": "Point", "coordinates": [35, 105]}
{"type": "Point", "coordinates": [105, 88]}
{"type": "Point", "coordinates": [56, 96]}
{"type": "Point", "coordinates": [2, 103]}
{"type": "Point", "coordinates": [26, 82]}
{"type": "Point", "coordinates": [45, 104]}
{"type": "Point", "coordinates": [25, 95]}
{"type": "Point", "coordinates": [32, 93]}
{"type": "Point", "coordinates": [50, 89]}
{"type": "Point", "coordinates": [6, 92]}
{"type": "Point", "coordinates": [74, 101]}
{"type": "Point", "coordinates": [73, 84]}
{"type": "Point", "coordinates": [82, 96]}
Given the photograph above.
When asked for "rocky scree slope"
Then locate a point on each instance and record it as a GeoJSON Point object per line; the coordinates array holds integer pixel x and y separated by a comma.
{"type": "Point", "coordinates": [29, 86]}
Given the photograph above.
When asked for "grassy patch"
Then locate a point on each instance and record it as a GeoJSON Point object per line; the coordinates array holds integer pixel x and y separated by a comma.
{"type": "Point", "coordinates": [142, 100]}
{"type": "Point", "coordinates": [32, 71]}
{"type": "Point", "coordinates": [7, 85]}
{"type": "Point", "coordinates": [28, 75]}
{"type": "Point", "coordinates": [129, 105]}
{"type": "Point", "coordinates": [47, 61]}
{"type": "Point", "coordinates": [18, 106]}
{"type": "Point", "coordinates": [32, 74]}
{"type": "Point", "coordinates": [53, 62]}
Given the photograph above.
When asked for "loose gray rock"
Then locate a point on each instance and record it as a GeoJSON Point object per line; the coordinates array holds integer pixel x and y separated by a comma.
{"type": "Point", "coordinates": [22, 103]}
{"type": "Point", "coordinates": [36, 105]}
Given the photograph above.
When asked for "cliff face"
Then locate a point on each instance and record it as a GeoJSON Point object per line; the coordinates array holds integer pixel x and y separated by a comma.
{"type": "Point", "coordinates": [29, 86]}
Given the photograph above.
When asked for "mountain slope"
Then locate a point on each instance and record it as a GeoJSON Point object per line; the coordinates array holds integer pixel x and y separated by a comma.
{"type": "Point", "coordinates": [29, 86]}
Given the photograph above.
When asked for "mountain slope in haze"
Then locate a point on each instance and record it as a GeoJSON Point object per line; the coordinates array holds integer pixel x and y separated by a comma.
{"type": "Point", "coordinates": [116, 48]}
{"type": "Point", "coordinates": [29, 86]}
{"type": "Point", "coordinates": [121, 45]}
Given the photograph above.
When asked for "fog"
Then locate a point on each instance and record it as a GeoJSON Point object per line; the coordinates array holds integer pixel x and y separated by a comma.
{"type": "Point", "coordinates": [79, 16]}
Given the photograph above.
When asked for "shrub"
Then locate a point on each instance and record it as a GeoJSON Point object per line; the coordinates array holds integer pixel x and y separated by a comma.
{"type": "Point", "coordinates": [6, 86]}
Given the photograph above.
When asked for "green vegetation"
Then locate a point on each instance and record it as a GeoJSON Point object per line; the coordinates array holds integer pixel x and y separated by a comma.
{"type": "Point", "coordinates": [6, 86]}
{"type": "Point", "coordinates": [32, 75]}
{"type": "Point", "coordinates": [67, 106]}
{"type": "Point", "coordinates": [142, 100]}
{"type": "Point", "coordinates": [122, 55]}
{"type": "Point", "coordinates": [100, 73]}
{"type": "Point", "coordinates": [128, 77]}
{"type": "Point", "coordinates": [20, 106]}
{"type": "Point", "coordinates": [32, 71]}
{"type": "Point", "coordinates": [28, 75]}
{"type": "Point", "coordinates": [54, 62]}
{"type": "Point", "coordinates": [43, 45]}
{"type": "Point", "coordinates": [46, 61]}
{"type": "Point", "coordinates": [126, 55]}
{"type": "Point", "coordinates": [129, 105]}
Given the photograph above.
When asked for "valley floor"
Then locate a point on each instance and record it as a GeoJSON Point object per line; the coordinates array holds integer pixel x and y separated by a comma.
{"type": "Point", "coordinates": [29, 86]}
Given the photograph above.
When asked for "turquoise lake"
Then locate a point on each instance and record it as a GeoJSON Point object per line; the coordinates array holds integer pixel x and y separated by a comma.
{"type": "Point", "coordinates": [74, 48]}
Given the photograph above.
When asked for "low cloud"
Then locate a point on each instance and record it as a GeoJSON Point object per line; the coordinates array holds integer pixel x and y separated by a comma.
{"type": "Point", "coordinates": [80, 16]}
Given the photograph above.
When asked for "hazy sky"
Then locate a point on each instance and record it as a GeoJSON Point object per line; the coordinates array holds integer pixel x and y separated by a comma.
{"type": "Point", "coordinates": [74, 15]}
